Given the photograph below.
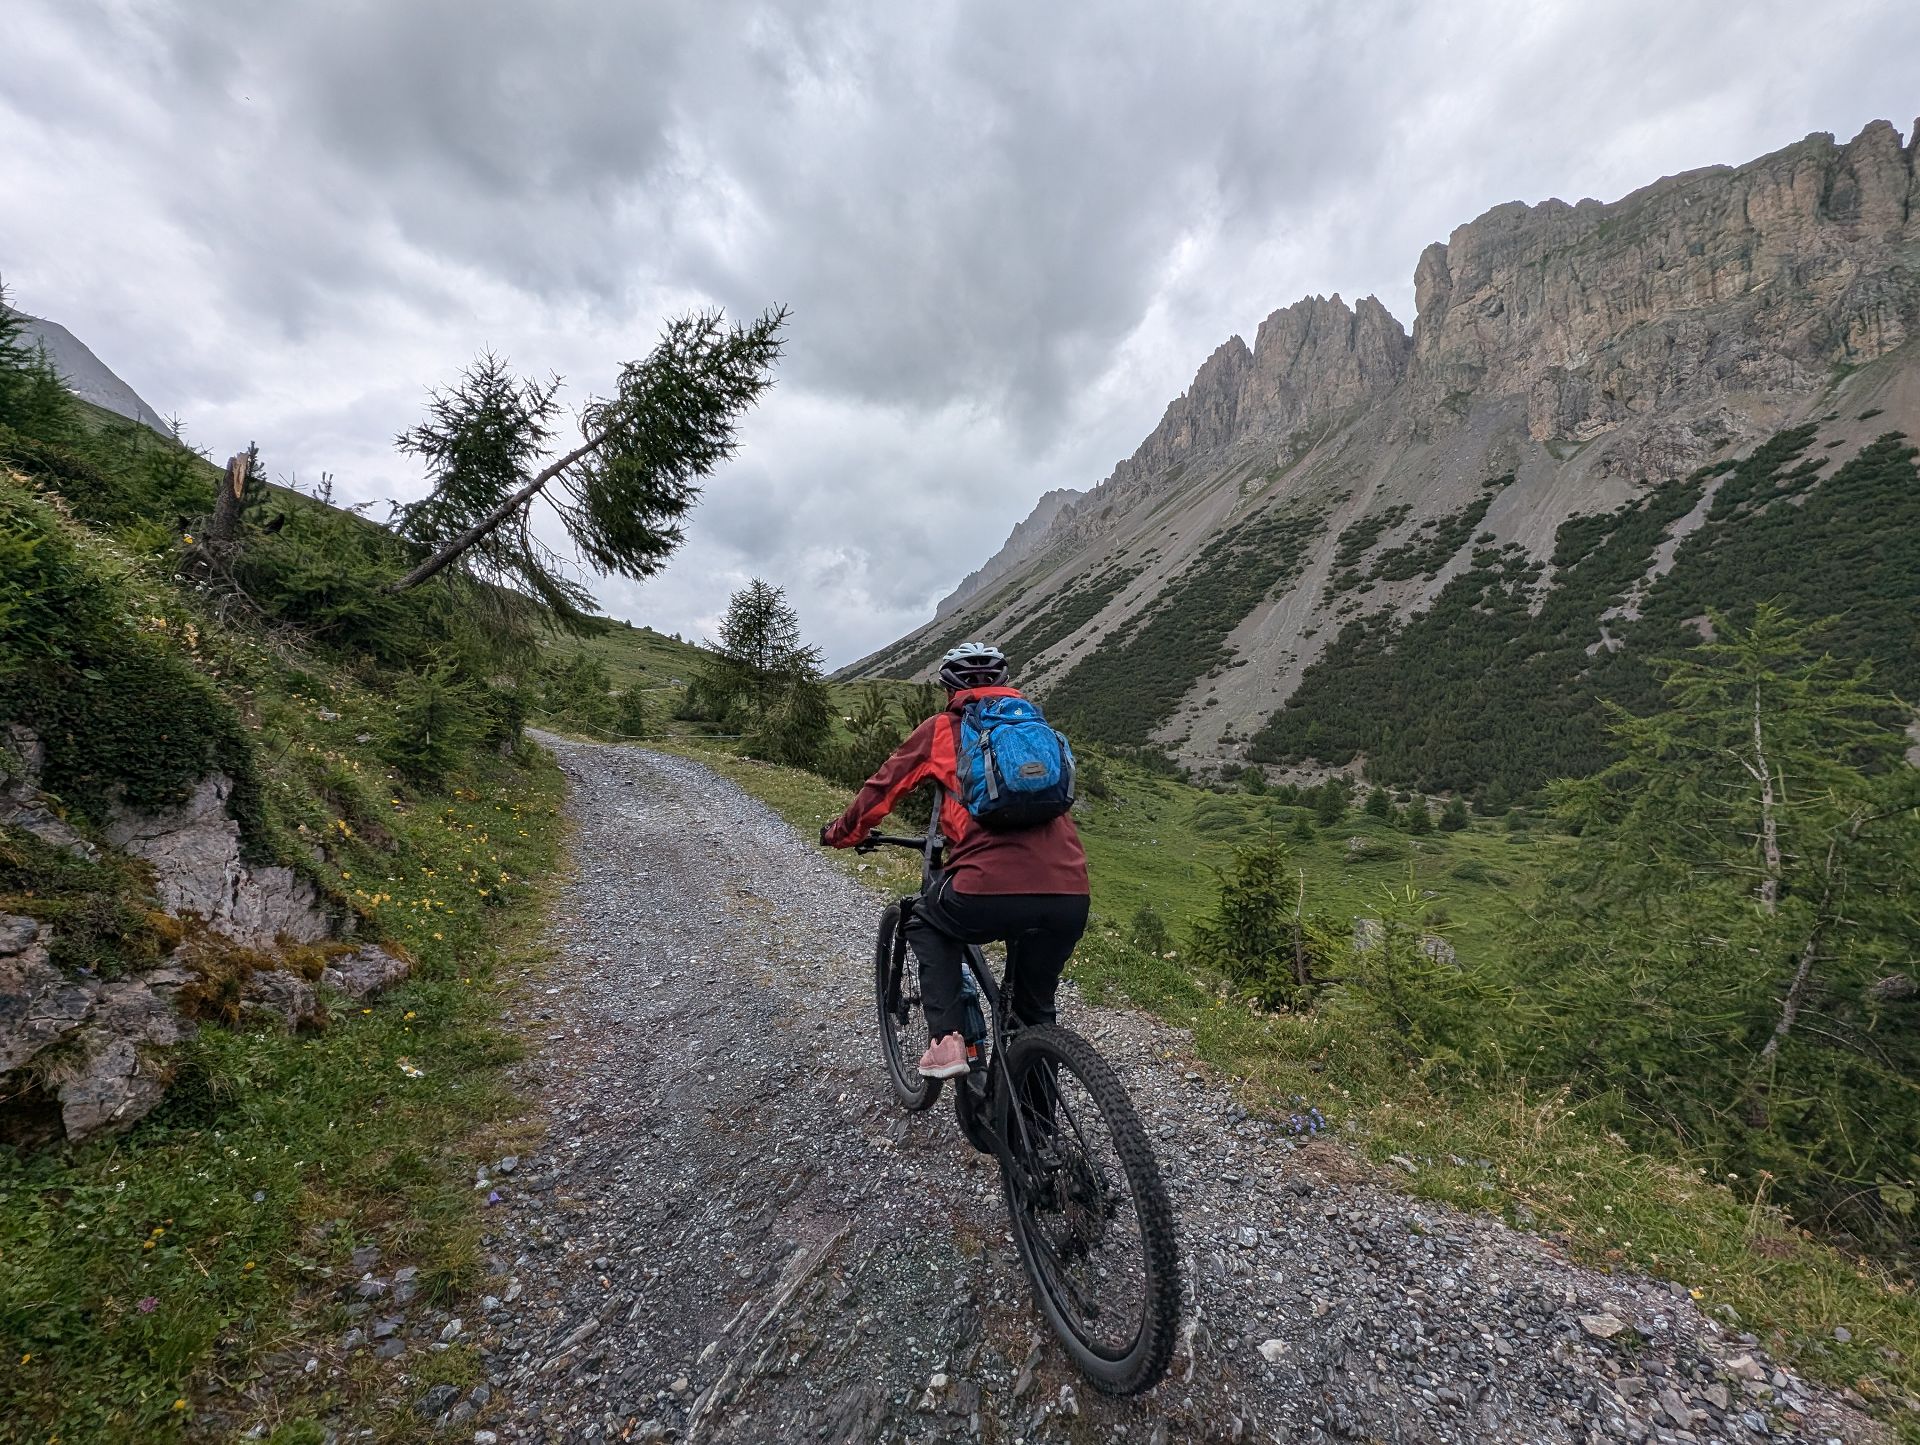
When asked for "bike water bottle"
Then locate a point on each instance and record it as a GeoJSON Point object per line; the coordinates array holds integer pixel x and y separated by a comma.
{"type": "Point", "coordinates": [976, 1020]}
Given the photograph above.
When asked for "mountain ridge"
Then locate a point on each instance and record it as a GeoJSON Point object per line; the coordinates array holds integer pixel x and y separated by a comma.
{"type": "Point", "coordinates": [85, 374]}
{"type": "Point", "coordinates": [1587, 351]}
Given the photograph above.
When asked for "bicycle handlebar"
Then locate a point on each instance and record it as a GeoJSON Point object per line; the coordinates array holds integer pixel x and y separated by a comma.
{"type": "Point", "coordinates": [874, 840]}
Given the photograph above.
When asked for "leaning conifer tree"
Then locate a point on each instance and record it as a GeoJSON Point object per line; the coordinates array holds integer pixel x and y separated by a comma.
{"type": "Point", "coordinates": [618, 493]}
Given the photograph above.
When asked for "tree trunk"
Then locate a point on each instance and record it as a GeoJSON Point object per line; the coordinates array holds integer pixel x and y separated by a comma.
{"type": "Point", "coordinates": [1760, 1082]}
{"type": "Point", "coordinates": [482, 528]}
{"type": "Point", "coordinates": [1302, 974]}
{"type": "Point", "coordinates": [1769, 823]}
{"type": "Point", "coordinates": [225, 527]}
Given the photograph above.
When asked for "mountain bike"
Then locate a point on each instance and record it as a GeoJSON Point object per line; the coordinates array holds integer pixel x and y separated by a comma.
{"type": "Point", "coordinates": [1091, 1219]}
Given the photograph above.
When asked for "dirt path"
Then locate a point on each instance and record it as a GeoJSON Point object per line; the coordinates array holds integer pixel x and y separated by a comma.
{"type": "Point", "coordinates": [731, 1234]}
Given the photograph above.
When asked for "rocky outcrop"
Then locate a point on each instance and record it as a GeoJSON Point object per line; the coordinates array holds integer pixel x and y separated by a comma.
{"type": "Point", "coordinates": [1724, 280]}
{"type": "Point", "coordinates": [1316, 358]}
{"type": "Point", "coordinates": [94, 1052]}
{"type": "Point", "coordinates": [82, 1055]}
{"type": "Point", "coordinates": [194, 849]}
{"type": "Point", "coordinates": [1310, 363]}
{"type": "Point", "coordinates": [118, 1068]}
{"type": "Point", "coordinates": [94, 1047]}
{"type": "Point", "coordinates": [39, 1005]}
{"type": "Point", "coordinates": [22, 805]}
{"type": "Point", "coordinates": [365, 971]}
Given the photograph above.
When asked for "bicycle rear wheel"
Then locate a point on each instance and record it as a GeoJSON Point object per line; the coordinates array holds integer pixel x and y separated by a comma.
{"type": "Point", "coordinates": [896, 987]}
{"type": "Point", "coordinates": [1090, 1215]}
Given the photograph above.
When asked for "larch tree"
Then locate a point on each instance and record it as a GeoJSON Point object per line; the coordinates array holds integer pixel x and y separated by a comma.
{"type": "Point", "coordinates": [1734, 950]}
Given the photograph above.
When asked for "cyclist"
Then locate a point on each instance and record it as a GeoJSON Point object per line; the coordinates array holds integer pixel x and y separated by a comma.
{"type": "Point", "coordinates": [1026, 887]}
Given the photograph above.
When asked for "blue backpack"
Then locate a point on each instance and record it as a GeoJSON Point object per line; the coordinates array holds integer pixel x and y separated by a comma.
{"type": "Point", "coordinates": [1015, 770]}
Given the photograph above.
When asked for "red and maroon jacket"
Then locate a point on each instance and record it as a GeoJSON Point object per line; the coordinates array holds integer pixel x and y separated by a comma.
{"type": "Point", "coordinates": [1046, 859]}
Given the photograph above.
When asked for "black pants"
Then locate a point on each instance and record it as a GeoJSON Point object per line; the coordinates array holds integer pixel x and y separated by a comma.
{"type": "Point", "coordinates": [1040, 930]}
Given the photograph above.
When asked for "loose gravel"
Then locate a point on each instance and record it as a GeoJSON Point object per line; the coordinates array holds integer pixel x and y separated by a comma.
{"type": "Point", "coordinates": [731, 1233]}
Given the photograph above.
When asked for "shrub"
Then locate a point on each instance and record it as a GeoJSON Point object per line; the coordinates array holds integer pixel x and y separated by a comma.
{"type": "Point", "coordinates": [1453, 817]}
{"type": "Point", "coordinates": [434, 723]}
{"type": "Point", "coordinates": [1090, 775]}
{"type": "Point", "coordinates": [578, 690]}
{"type": "Point", "coordinates": [1330, 802]}
{"type": "Point", "coordinates": [632, 718]}
{"type": "Point", "coordinates": [1133, 679]}
{"type": "Point", "coordinates": [795, 725]}
{"type": "Point", "coordinates": [1259, 934]}
{"type": "Point", "coordinates": [1148, 931]}
{"type": "Point", "coordinates": [1364, 849]}
{"type": "Point", "coordinates": [1400, 968]}
{"type": "Point", "coordinates": [1473, 870]}
{"type": "Point", "coordinates": [503, 714]}
{"type": "Point", "coordinates": [1217, 815]}
{"type": "Point", "coordinates": [121, 714]}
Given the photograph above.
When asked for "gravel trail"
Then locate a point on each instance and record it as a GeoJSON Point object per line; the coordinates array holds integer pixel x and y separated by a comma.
{"type": "Point", "coordinates": [731, 1234]}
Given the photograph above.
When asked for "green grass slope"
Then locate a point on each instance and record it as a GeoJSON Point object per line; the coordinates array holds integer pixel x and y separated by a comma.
{"type": "Point", "coordinates": [151, 1282]}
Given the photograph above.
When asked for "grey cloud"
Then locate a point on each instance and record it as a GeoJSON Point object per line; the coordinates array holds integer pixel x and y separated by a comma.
{"type": "Point", "coordinates": [1009, 232]}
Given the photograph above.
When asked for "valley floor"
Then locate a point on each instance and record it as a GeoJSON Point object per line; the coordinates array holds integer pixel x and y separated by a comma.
{"type": "Point", "coordinates": [731, 1234]}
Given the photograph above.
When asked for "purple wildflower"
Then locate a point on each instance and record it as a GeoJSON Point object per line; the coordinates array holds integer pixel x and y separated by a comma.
{"type": "Point", "coordinates": [147, 1305]}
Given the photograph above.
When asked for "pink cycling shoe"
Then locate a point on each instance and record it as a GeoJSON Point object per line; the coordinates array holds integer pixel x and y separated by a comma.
{"type": "Point", "coordinates": [945, 1058]}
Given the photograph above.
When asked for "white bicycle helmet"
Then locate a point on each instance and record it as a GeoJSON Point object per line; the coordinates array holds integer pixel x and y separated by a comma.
{"type": "Point", "coordinates": [973, 664]}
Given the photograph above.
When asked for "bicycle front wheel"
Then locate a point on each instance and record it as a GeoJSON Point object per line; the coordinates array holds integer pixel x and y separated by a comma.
{"type": "Point", "coordinates": [896, 987]}
{"type": "Point", "coordinates": [1090, 1215]}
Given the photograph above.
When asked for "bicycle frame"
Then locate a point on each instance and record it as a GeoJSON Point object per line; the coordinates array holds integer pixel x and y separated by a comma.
{"type": "Point", "coordinates": [1061, 1197]}
{"type": "Point", "coordinates": [999, 1088]}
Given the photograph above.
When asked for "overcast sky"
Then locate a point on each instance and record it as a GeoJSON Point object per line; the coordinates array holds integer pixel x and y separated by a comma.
{"type": "Point", "coordinates": [1008, 232]}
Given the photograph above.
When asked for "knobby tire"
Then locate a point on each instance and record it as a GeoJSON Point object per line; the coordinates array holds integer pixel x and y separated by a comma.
{"type": "Point", "coordinates": [895, 993]}
{"type": "Point", "coordinates": [1142, 1363]}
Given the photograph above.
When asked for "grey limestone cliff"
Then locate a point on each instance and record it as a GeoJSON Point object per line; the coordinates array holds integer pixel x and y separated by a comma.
{"type": "Point", "coordinates": [1588, 350]}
